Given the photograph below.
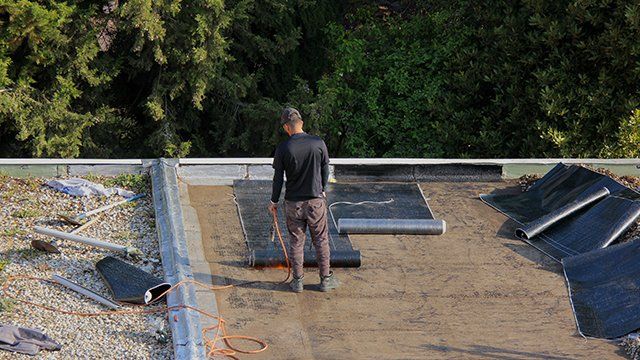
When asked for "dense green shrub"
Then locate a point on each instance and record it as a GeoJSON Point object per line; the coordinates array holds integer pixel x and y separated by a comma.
{"type": "Point", "coordinates": [486, 79]}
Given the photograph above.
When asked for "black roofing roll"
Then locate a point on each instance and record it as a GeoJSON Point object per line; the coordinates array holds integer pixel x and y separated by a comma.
{"type": "Point", "coordinates": [270, 258]}
{"type": "Point", "coordinates": [592, 227]}
{"type": "Point", "coordinates": [538, 225]}
{"type": "Point", "coordinates": [129, 284]}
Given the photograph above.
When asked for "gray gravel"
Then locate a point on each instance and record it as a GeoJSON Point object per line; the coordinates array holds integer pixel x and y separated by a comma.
{"type": "Point", "coordinates": [25, 203]}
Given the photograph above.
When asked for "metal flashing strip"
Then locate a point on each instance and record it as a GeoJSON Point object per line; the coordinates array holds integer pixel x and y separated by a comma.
{"type": "Point", "coordinates": [415, 161]}
{"type": "Point", "coordinates": [185, 324]}
{"type": "Point", "coordinates": [204, 171]}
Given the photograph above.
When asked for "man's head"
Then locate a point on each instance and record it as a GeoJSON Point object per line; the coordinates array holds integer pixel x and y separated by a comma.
{"type": "Point", "coordinates": [291, 121]}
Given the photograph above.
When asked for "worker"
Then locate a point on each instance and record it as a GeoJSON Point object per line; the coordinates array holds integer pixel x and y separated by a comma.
{"type": "Point", "coordinates": [305, 160]}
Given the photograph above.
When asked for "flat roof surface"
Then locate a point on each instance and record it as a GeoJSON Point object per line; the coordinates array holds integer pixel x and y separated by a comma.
{"type": "Point", "coordinates": [474, 292]}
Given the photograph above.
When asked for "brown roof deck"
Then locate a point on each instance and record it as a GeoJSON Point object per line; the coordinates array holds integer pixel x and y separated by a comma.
{"type": "Point", "coordinates": [475, 292]}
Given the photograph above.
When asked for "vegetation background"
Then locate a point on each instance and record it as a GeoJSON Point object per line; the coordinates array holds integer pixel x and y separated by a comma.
{"type": "Point", "coordinates": [143, 78]}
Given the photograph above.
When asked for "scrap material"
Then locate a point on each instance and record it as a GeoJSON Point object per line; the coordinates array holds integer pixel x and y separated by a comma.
{"type": "Point", "coordinates": [81, 218]}
{"type": "Point", "coordinates": [127, 250]}
{"type": "Point", "coordinates": [25, 341]}
{"type": "Point", "coordinates": [85, 226]}
{"type": "Point", "coordinates": [603, 286]}
{"type": "Point", "coordinates": [570, 206]}
{"type": "Point", "coordinates": [84, 291]}
{"type": "Point", "coordinates": [44, 246]}
{"type": "Point", "coordinates": [82, 187]}
{"type": "Point", "coordinates": [130, 284]}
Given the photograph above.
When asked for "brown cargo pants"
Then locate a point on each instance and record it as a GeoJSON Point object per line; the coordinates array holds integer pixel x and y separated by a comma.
{"type": "Point", "coordinates": [311, 213]}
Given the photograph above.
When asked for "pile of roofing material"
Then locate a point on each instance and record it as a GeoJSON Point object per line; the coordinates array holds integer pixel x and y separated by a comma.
{"type": "Point", "coordinates": [574, 215]}
{"type": "Point", "coordinates": [380, 208]}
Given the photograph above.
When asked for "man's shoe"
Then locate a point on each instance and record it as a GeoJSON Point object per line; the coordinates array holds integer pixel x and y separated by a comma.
{"type": "Point", "coordinates": [328, 282]}
{"type": "Point", "coordinates": [297, 284]}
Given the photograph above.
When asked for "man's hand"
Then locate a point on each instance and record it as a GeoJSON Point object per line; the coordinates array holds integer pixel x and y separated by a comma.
{"type": "Point", "coordinates": [273, 207]}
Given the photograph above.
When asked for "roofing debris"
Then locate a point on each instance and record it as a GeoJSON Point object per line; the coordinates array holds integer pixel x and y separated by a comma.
{"type": "Point", "coordinates": [82, 187]}
{"type": "Point", "coordinates": [25, 341]}
{"type": "Point", "coordinates": [28, 204]}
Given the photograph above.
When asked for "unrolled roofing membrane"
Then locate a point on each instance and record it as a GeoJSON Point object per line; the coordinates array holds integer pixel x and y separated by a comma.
{"type": "Point", "coordinates": [264, 249]}
{"type": "Point", "coordinates": [571, 208]}
{"type": "Point", "coordinates": [378, 202]}
{"type": "Point", "coordinates": [604, 286]}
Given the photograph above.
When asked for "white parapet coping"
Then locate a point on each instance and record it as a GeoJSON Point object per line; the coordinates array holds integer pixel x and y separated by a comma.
{"type": "Point", "coordinates": [216, 171]}
{"type": "Point", "coordinates": [227, 169]}
{"type": "Point", "coordinates": [334, 161]}
{"type": "Point", "coordinates": [414, 161]}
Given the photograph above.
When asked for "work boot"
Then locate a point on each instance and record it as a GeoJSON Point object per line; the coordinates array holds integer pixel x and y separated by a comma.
{"type": "Point", "coordinates": [297, 284]}
{"type": "Point", "coordinates": [328, 282]}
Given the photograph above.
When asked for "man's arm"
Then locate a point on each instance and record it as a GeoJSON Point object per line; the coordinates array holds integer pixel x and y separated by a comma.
{"type": "Point", "coordinates": [325, 167]}
{"type": "Point", "coordinates": [278, 176]}
{"type": "Point", "coordinates": [278, 180]}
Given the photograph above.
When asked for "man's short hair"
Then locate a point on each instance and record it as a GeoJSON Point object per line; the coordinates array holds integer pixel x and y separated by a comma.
{"type": "Point", "coordinates": [290, 116]}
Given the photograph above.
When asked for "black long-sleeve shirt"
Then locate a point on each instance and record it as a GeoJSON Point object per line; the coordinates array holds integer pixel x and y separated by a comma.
{"type": "Point", "coordinates": [305, 160]}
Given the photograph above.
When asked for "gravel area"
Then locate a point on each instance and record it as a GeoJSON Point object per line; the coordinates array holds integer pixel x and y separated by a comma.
{"type": "Point", "coordinates": [26, 203]}
{"type": "Point", "coordinates": [631, 346]}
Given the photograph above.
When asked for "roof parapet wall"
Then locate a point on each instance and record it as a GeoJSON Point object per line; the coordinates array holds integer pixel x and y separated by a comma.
{"type": "Point", "coordinates": [346, 169]}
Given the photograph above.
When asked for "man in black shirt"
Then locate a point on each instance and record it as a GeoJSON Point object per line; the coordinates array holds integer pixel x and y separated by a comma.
{"type": "Point", "coordinates": [305, 160]}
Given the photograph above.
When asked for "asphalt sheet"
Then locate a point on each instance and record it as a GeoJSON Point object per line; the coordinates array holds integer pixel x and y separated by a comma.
{"type": "Point", "coordinates": [354, 200]}
{"type": "Point", "coordinates": [604, 285]}
{"type": "Point", "coordinates": [584, 228]}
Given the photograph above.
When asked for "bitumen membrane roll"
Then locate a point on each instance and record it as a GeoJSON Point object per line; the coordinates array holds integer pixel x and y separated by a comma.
{"type": "Point", "coordinates": [539, 225]}
{"type": "Point", "coordinates": [591, 224]}
{"type": "Point", "coordinates": [272, 258]}
{"type": "Point", "coordinates": [128, 283]}
{"type": "Point", "coordinates": [392, 226]}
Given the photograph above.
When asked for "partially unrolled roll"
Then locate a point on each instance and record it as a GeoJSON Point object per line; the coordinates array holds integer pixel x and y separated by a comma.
{"type": "Point", "coordinates": [537, 226]}
{"type": "Point", "coordinates": [392, 226]}
{"type": "Point", "coordinates": [268, 258]}
{"type": "Point", "coordinates": [130, 284]}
